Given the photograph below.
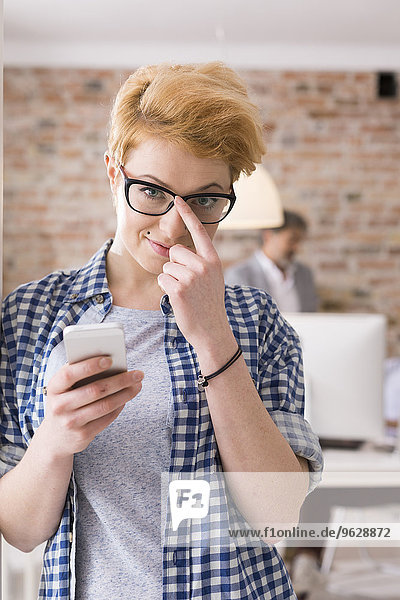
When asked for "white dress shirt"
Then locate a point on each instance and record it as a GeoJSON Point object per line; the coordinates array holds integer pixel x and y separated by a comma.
{"type": "Point", "coordinates": [283, 286]}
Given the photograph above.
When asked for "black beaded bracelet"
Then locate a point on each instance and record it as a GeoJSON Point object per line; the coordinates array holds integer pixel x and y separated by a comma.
{"type": "Point", "coordinates": [203, 380]}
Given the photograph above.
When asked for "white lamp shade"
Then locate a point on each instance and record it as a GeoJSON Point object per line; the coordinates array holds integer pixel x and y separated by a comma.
{"type": "Point", "coordinates": [258, 204]}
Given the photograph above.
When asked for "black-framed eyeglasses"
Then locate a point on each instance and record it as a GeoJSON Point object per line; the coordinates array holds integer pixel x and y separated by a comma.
{"type": "Point", "coordinates": [148, 198]}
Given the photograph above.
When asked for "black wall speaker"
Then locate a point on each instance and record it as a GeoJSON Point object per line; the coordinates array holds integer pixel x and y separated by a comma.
{"type": "Point", "coordinates": [387, 85]}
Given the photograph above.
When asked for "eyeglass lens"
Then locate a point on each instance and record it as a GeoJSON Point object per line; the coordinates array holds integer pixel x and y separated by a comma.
{"type": "Point", "coordinates": [152, 201]}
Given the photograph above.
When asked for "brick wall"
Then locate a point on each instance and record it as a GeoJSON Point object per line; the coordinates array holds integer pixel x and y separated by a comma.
{"type": "Point", "coordinates": [333, 150]}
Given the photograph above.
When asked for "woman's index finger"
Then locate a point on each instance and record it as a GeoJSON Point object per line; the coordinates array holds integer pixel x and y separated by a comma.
{"type": "Point", "coordinates": [200, 237]}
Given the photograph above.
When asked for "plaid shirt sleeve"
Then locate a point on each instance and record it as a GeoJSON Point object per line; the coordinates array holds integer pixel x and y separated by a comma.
{"type": "Point", "coordinates": [278, 372]}
{"type": "Point", "coordinates": [281, 387]}
{"type": "Point", "coordinates": [12, 444]}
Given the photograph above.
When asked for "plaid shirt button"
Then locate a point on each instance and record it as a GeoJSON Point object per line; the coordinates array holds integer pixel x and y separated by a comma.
{"type": "Point", "coordinates": [99, 299]}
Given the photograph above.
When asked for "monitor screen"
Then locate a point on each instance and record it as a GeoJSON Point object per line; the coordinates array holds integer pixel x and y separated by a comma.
{"type": "Point", "coordinates": [343, 365]}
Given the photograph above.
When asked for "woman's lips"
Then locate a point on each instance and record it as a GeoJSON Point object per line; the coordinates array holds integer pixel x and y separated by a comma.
{"type": "Point", "coordinates": [159, 248]}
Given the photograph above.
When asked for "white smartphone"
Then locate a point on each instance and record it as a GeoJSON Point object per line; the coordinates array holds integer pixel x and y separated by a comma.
{"type": "Point", "coordinates": [101, 339]}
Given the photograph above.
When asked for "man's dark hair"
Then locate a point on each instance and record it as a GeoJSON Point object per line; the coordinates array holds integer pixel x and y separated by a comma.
{"type": "Point", "coordinates": [292, 220]}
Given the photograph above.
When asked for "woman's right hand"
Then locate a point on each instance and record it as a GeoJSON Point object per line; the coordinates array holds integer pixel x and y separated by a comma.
{"type": "Point", "coordinates": [74, 416]}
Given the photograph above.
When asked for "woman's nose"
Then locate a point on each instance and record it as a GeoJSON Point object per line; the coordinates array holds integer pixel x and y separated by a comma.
{"type": "Point", "coordinates": [172, 224]}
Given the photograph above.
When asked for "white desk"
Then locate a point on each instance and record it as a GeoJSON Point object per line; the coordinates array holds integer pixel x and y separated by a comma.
{"type": "Point", "coordinates": [360, 468]}
{"type": "Point", "coordinates": [357, 478]}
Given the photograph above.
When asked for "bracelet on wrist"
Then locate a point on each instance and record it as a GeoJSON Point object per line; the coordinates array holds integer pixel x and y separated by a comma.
{"type": "Point", "coordinates": [202, 380]}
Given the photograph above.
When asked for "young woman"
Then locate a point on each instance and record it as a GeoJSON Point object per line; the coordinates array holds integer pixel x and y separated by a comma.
{"type": "Point", "coordinates": [81, 467]}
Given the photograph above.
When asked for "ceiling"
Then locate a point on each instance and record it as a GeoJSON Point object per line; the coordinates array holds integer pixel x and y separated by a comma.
{"type": "Point", "coordinates": [328, 34]}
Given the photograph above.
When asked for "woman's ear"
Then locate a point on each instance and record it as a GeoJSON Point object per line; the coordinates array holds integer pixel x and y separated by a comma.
{"type": "Point", "coordinates": [112, 171]}
{"type": "Point", "coordinates": [112, 174]}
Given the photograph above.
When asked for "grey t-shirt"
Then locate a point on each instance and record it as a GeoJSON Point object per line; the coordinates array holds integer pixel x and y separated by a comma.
{"type": "Point", "coordinates": [118, 551]}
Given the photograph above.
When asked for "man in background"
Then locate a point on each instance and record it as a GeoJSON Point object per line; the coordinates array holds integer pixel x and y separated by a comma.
{"type": "Point", "coordinates": [273, 267]}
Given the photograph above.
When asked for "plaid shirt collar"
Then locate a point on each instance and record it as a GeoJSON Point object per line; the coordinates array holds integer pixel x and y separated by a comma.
{"type": "Point", "coordinates": [91, 281]}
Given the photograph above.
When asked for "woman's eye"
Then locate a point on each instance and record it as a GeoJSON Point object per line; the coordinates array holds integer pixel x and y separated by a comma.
{"type": "Point", "coordinates": [153, 193]}
{"type": "Point", "coordinates": [205, 202]}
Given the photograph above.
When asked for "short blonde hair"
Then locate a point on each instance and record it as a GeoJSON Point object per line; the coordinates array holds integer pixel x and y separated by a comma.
{"type": "Point", "coordinates": [203, 107]}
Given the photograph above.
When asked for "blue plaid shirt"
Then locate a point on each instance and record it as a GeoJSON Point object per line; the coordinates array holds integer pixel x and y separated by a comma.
{"type": "Point", "coordinates": [33, 320]}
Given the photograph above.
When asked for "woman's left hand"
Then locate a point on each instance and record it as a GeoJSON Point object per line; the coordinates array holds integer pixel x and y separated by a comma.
{"type": "Point", "coordinates": [195, 285]}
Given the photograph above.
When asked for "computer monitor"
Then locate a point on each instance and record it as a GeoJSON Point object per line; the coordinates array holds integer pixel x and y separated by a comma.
{"type": "Point", "coordinates": [343, 364]}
